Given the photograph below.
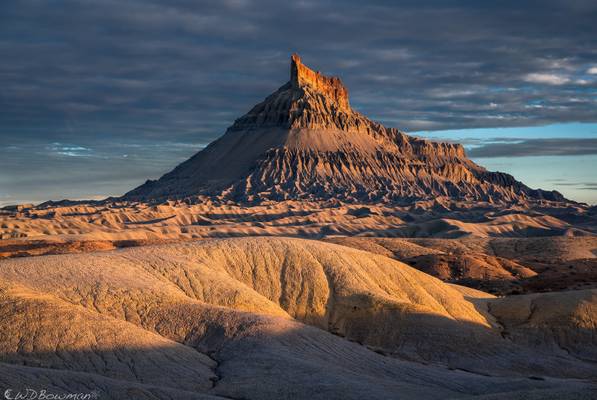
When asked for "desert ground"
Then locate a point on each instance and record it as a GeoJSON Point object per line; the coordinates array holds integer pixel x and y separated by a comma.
{"type": "Point", "coordinates": [297, 300]}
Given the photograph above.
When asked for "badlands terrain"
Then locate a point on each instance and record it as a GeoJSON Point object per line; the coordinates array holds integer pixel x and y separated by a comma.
{"type": "Point", "coordinates": [309, 253]}
{"type": "Point", "coordinates": [503, 251]}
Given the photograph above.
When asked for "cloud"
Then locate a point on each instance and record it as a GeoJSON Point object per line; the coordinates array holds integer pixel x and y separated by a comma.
{"type": "Point", "coordinates": [576, 185]}
{"type": "Point", "coordinates": [187, 69]}
{"type": "Point", "coordinates": [85, 170]}
{"type": "Point", "coordinates": [592, 71]}
{"type": "Point", "coordinates": [513, 147]}
{"type": "Point", "coordinates": [69, 150]}
{"type": "Point", "coordinates": [549, 79]}
{"type": "Point", "coordinates": [179, 71]}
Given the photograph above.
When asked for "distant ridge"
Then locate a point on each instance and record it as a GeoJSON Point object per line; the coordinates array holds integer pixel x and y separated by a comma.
{"type": "Point", "coordinates": [304, 141]}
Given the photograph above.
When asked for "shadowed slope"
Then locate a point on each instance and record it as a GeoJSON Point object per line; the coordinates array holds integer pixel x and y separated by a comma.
{"type": "Point", "coordinates": [235, 299]}
{"type": "Point", "coordinates": [498, 265]}
{"type": "Point", "coordinates": [566, 320]}
{"type": "Point", "coordinates": [305, 142]}
{"type": "Point", "coordinates": [118, 349]}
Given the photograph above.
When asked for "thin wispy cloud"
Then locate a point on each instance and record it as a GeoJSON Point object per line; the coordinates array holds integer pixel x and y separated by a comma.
{"type": "Point", "coordinates": [68, 150]}
{"type": "Point", "coordinates": [577, 185]}
{"type": "Point", "coordinates": [549, 79]}
{"type": "Point", "coordinates": [513, 147]}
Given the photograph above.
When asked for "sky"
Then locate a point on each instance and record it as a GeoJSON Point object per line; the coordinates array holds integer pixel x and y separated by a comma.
{"type": "Point", "coordinates": [560, 157]}
{"type": "Point", "coordinates": [96, 97]}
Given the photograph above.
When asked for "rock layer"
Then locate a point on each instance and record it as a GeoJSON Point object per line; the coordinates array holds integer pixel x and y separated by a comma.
{"type": "Point", "coordinates": [304, 141]}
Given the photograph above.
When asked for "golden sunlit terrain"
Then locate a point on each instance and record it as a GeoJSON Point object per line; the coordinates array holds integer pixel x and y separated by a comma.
{"type": "Point", "coordinates": [309, 253]}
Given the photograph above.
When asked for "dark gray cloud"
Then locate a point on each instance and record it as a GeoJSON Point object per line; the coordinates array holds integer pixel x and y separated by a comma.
{"type": "Point", "coordinates": [186, 69]}
{"type": "Point", "coordinates": [577, 185]}
{"type": "Point", "coordinates": [513, 147]}
{"type": "Point", "coordinates": [92, 74]}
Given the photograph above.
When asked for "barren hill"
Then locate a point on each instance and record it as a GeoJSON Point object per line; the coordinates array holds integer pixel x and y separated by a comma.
{"type": "Point", "coordinates": [262, 318]}
{"type": "Point", "coordinates": [304, 141]}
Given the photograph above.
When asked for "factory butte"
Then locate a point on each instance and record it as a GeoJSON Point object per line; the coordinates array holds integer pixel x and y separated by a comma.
{"type": "Point", "coordinates": [305, 142]}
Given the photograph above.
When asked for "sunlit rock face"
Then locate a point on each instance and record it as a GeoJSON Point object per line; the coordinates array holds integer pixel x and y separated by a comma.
{"type": "Point", "coordinates": [304, 141]}
{"type": "Point", "coordinates": [332, 88]}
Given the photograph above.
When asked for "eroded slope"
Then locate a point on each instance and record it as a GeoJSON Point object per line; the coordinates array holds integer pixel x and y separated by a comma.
{"type": "Point", "coordinates": [238, 308]}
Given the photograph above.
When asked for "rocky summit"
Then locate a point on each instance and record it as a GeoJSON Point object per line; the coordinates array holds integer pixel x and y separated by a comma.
{"type": "Point", "coordinates": [305, 142]}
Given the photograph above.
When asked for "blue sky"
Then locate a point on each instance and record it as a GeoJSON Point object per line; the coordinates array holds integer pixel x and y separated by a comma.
{"type": "Point", "coordinates": [562, 157]}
